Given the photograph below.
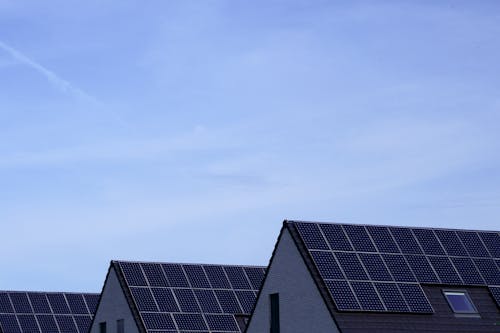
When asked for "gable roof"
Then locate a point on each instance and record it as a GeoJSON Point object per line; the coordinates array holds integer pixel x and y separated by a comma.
{"type": "Point", "coordinates": [46, 312]}
{"type": "Point", "coordinates": [173, 297]}
{"type": "Point", "coordinates": [368, 268]}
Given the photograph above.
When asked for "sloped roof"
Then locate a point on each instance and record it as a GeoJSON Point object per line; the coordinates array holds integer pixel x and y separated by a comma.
{"type": "Point", "coordinates": [46, 312]}
{"type": "Point", "coordinates": [367, 268]}
{"type": "Point", "coordinates": [173, 297]}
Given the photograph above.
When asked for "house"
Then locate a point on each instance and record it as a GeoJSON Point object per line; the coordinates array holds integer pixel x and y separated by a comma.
{"type": "Point", "coordinates": [326, 277]}
{"type": "Point", "coordinates": [171, 297]}
{"type": "Point", "coordinates": [46, 312]}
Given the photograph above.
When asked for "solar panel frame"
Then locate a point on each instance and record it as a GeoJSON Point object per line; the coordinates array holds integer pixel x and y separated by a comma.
{"type": "Point", "coordinates": [428, 241]}
{"type": "Point", "coordinates": [491, 240]}
{"type": "Point", "coordinates": [383, 239]}
{"type": "Point", "coordinates": [336, 237]}
{"type": "Point", "coordinates": [473, 244]}
{"type": "Point", "coordinates": [405, 240]}
{"type": "Point", "coordinates": [359, 237]}
{"type": "Point", "coordinates": [351, 266]}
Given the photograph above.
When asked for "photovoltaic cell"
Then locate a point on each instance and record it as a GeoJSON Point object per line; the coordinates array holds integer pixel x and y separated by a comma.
{"type": "Point", "coordinates": [154, 275]}
{"type": "Point", "coordinates": [428, 241]}
{"type": "Point", "coordinates": [228, 302]}
{"type": "Point", "coordinates": [133, 274]}
{"type": "Point", "coordinates": [398, 268]}
{"type": "Point", "coordinates": [359, 238]}
{"type": "Point", "coordinates": [488, 270]}
{"type": "Point", "coordinates": [407, 243]}
{"type": "Point", "coordinates": [391, 297]}
{"type": "Point", "coordinates": [415, 297]}
{"type": "Point", "coordinates": [158, 321]}
{"type": "Point", "coordinates": [28, 323]}
{"type": "Point", "coordinates": [144, 299]}
{"type": "Point", "coordinates": [467, 270]}
{"type": "Point", "coordinates": [20, 302]}
{"type": "Point", "coordinates": [207, 300]}
{"type": "Point", "coordinates": [383, 239]}
{"type": "Point", "coordinates": [375, 267]}
{"type": "Point", "coordinates": [175, 275]}
{"type": "Point", "coordinates": [336, 237]}
{"type": "Point", "coordinates": [311, 235]}
{"type": "Point", "coordinates": [342, 295]}
{"type": "Point", "coordinates": [326, 264]}
{"type": "Point", "coordinates": [9, 323]}
{"type": "Point", "coordinates": [186, 300]}
{"type": "Point", "coordinates": [422, 269]}
{"type": "Point", "coordinates": [246, 299]}
{"type": "Point", "coordinates": [237, 277]}
{"type": "Point", "coordinates": [48, 323]}
{"type": "Point", "coordinates": [367, 296]}
{"type": "Point", "coordinates": [492, 242]}
{"type": "Point", "coordinates": [218, 278]}
{"type": "Point", "coordinates": [222, 322]}
{"type": "Point", "coordinates": [77, 304]}
{"type": "Point", "coordinates": [451, 242]}
{"type": "Point", "coordinates": [5, 305]}
{"type": "Point", "coordinates": [445, 270]}
{"type": "Point", "coordinates": [91, 301]}
{"type": "Point", "coordinates": [256, 276]}
{"type": "Point", "coordinates": [39, 303]}
{"type": "Point", "coordinates": [473, 244]}
{"type": "Point", "coordinates": [196, 276]}
{"type": "Point", "coordinates": [495, 292]}
{"type": "Point", "coordinates": [83, 323]}
{"type": "Point", "coordinates": [351, 266]}
{"type": "Point", "coordinates": [190, 321]}
{"type": "Point", "coordinates": [66, 324]}
{"type": "Point", "coordinates": [165, 300]}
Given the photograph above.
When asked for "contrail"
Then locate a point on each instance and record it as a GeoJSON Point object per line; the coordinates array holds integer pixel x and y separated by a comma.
{"type": "Point", "coordinates": [61, 84]}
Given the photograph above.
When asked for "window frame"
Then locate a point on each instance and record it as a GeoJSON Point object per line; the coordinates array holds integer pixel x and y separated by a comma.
{"type": "Point", "coordinates": [465, 294]}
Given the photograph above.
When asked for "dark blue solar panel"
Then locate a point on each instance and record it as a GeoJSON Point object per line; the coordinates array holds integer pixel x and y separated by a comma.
{"type": "Point", "coordinates": [359, 238]}
{"type": "Point", "coordinates": [488, 270]}
{"type": "Point", "coordinates": [428, 241]}
{"type": "Point", "coordinates": [5, 305]}
{"type": "Point", "coordinates": [445, 270]}
{"type": "Point", "coordinates": [133, 274]}
{"type": "Point", "coordinates": [190, 321]}
{"type": "Point", "coordinates": [222, 322]}
{"type": "Point", "coordinates": [158, 321]}
{"type": "Point", "coordinates": [391, 297]}
{"type": "Point", "coordinates": [58, 303]}
{"type": "Point", "coordinates": [492, 242]}
{"type": "Point", "coordinates": [468, 272]}
{"type": "Point", "coordinates": [399, 268]}
{"type": "Point", "coordinates": [415, 297]}
{"type": "Point", "coordinates": [77, 304]}
{"type": "Point", "coordinates": [196, 276]}
{"type": "Point", "coordinates": [144, 299]}
{"type": "Point", "coordinates": [228, 302]}
{"type": "Point", "coordinates": [473, 244]}
{"type": "Point", "coordinates": [237, 277]}
{"type": "Point", "coordinates": [28, 323]}
{"type": "Point", "coordinates": [247, 299]}
{"type": "Point", "coordinates": [48, 323]}
{"type": "Point", "coordinates": [422, 269]}
{"type": "Point", "coordinates": [154, 275]}
{"type": "Point", "coordinates": [165, 300]}
{"type": "Point", "coordinates": [336, 237]}
{"type": "Point", "coordinates": [311, 235]}
{"type": "Point", "coordinates": [92, 301]}
{"type": "Point", "coordinates": [495, 292]}
{"type": "Point", "coordinates": [39, 303]}
{"type": "Point", "coordinates": [383, 239]}
{"type": "Point", "coordinates": [66, 324]}
{"type": "Point", "coordinates": [375, 267]}
{"type": "Point", "coordinates": [175, 275]}
{"type": "Point", "coordinates": [407, 243]}
{"type": "Point", "coordinates": [351, 266]}
{"type": "Point", "coordinates": [9, 323]}
{"type": "Point", "coordinates": [20, 302]}
{"type": "Point", "coordinates": [83, 323]}
{"type": "Point", "coordinates": [186, 300]}
{"type": "Point", "coordinates": [207, 300]}
{"type": "Point", "coordinates": [451, 242]}
{"type": "Point", "coordinates": [367, 296]}
{"type": "Point", "coordinates": [326, 264]}
{"type": "Point", "coordinates": [217, 277]}
{"type": "Point", "coordinates": [342, 295]}
{"type": "Point", "coordinates": [256, 276]}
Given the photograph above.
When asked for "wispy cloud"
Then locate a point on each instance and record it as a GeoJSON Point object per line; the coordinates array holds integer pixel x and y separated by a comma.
{"type": "Point", "coordinates": [58, 82]}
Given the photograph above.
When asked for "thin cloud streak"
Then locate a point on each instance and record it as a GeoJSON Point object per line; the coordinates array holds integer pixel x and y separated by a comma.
{"type": "Point", "coordinates": [58, 82]}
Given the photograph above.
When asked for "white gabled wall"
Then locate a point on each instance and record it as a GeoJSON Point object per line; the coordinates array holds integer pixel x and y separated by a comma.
{"type": "Point", "coordinates": [302, 308]}
{"type": "Point", "coordinates": [113, 306]}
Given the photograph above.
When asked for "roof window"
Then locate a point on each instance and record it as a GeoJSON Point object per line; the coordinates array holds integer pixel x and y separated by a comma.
{"type": "Point", "coordinates": [460, 301]}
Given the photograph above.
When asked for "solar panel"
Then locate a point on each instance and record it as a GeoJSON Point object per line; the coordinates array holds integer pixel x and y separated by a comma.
{"type": "Point", "coordinates": [404, 256]}
{"type": "Point", "coordinates": [359, 238]}
{"type": "Point", "coordinates": [367, 296]}
{"type": "Point", "coordinates": [495, 292]}
{"type": "Point", "coordinates": [196, 298]}
{"type": "Point", "coordinates": [40, 312]}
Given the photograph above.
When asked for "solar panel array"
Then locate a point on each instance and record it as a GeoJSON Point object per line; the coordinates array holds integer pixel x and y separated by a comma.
{"type": "Point", "coordinates": [192, 298]}
{"type": "Point", "coordinates": [38, 312]}
{"type": "Point", "coordinates": [377, 268]}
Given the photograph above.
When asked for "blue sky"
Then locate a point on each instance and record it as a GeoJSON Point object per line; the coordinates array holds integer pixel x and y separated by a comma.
{"type": "Point", "coordinates": [188, 130]}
